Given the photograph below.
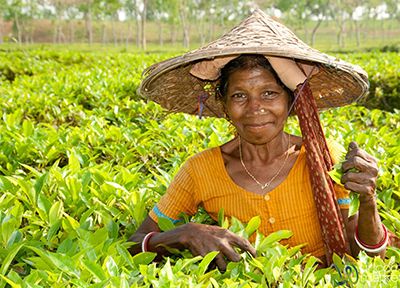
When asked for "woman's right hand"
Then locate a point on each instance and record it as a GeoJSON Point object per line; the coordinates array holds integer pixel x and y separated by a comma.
{"type": "Point", "coordinates": [200, 239]}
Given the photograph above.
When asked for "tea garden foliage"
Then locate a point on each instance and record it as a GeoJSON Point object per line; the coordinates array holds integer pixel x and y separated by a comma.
{"type": "Point", "coordinates": [83, 158]}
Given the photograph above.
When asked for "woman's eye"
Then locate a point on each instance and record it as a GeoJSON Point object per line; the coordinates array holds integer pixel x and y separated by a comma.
{"type": "Point", "coordinates": [270, 94]}
{"type": "Point", "coordinates": [239, 96]}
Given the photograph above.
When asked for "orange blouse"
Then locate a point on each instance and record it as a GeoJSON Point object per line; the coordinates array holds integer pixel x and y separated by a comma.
{"type": "Point", "coordinates": [203, 180]}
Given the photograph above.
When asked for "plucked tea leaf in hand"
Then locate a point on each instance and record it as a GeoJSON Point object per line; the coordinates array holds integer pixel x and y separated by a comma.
{"type": "Point", "coordinates": [354, 203]}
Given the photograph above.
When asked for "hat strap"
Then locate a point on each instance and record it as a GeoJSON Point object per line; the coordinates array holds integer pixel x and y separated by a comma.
{"type": "Point", "coordinates": [201, 103]}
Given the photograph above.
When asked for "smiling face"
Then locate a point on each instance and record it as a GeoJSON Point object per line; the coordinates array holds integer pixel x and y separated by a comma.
{"type": "Point", "coordinates": [256, 103]}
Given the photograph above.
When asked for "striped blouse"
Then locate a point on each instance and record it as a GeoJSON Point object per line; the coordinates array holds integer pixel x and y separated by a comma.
{"type": "Point", "coordinates": [204, 181]}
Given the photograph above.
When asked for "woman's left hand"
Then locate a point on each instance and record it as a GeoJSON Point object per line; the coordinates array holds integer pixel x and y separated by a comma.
{"type": "Point", "coordinates": [360, 173]}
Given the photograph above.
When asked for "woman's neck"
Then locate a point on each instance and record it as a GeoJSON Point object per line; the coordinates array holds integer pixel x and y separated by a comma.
{"type": "Point", "coordinates": [267, 152]}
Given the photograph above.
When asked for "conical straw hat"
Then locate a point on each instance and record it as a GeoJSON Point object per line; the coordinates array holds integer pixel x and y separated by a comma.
{"type": "Point", "coordinates": [171, 84]}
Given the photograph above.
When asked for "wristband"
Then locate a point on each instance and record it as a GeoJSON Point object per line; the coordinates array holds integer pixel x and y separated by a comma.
{"type": "Point", "coordinates": [146, 239]}
{"type": "Point", "coordinates": [373, 248]}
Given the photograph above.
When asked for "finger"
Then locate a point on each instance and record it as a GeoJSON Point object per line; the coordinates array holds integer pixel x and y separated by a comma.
{"type": "Point", "coordinates": [244, 245]}
{"type": "Point", "coordinates": [359, 188]}
{"type": "Point", "coordinates": [195, 251]}
{"type": "Point", "coordinates": [361, 164]}
{"type": "Point", "coordinates": [353, 145]}
{"type": "Point", "coordinates": [354, 150]}
{"type": "Point", "coordinates": [229, 252]}
{"type": "Point", "coordinates": [220, 261]}
{"type": "Point", "coordinates": [359, 178]}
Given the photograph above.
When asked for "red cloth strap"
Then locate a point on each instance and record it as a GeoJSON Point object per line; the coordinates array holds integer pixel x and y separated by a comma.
{"type": "Point", "coordinates": [319, 162]}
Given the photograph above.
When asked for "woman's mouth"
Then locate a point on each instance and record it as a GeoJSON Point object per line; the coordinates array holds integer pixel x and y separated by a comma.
{"type": "Point", "coordinates": [258, 125]}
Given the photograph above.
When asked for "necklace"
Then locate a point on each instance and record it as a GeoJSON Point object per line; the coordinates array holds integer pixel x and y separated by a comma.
{"type": "Point", "coordinates": [262, 186]}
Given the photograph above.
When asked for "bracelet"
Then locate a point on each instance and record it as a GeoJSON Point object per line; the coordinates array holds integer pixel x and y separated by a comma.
{"type": "Point", "coordinates": [372, 248]}
{"type": "Point", "coordinates": [146, 239]}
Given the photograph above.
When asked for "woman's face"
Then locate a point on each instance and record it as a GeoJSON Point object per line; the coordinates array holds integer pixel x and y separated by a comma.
{"type": "Point", "coordinates": [256, 104]}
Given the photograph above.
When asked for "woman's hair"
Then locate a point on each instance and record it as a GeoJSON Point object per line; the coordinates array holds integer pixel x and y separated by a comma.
{"type": "Point", "coordinates": [247, 61]}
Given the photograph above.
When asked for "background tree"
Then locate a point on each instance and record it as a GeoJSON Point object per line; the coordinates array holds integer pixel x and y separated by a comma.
{"type": "Point", "coordinates": [184, 7]}
{"type": "Point", "coordinates": [57, 15]}
{"type": "Point", "coordinates": [143, 18]}
{"type": "Point", "coordinates": [17, 11]}
{"type": "Point", "coordinates": [296, 14]}
{"type": "Point", "coordinates": [131, 13]}
{"type": "Point", "coordinates": [2, 16]}
{"type": "Point", "coordinates": [158, 11]}
{"type": "Point", "coordinates": [106, 11]}
{"type": "Point", "coordinates": [341, 12]}
{"type": "Point", "coordinates": [86, 8]}
{"type": "Point", "coordinates": [71, 14]}
{"type": "Point", "coordinates": [393, 9]}
{"type": "Point", "coordinates": [319, 11]}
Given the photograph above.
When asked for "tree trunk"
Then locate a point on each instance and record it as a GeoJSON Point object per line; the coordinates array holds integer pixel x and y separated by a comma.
{"type": "Point", "coordinates": [341, 25]}
{"type": "Point", "coordinates": [185, 27]}
{"type": "Point", "coordinates": [340, 36]}
{"type": "Point", "coordinates": [88, 24]}
{"type": "Point", "coordinates": [60, 33]}
{"type": "Point", "coordinates": [121, 35]}
{"type": "Point", "coordinates": [1, 30]}
{"type": "Point", "coordinates": [71, 32]}
{"type": "Point", "coordinates": [173, 34]}
{"type": "Point", "coordinates": [104, 33]}
{"type": "Point", "coordinates": [55, 31]}
{"type": "Point", "coordinates": [18, 27]}
{"type": "Point", "coordinates": [202, 31]}
{"type": "Point", "coordinates": [212, 29]}
{"type": "Point", "coordinates": [306, 33]}
{"type": "Point", "coordinates": [314, 31]}
{"type": "Point", "coordinates": [128, 34]}
{"type": "Point", "coordinates": [143, 26]}
{"type": "Point", "coordinates": [114, 32]}
{"type": "Point", "coordinates": [160, 33]}
{"type": "Point", "coordinates": [137, 32]}
{"type": "Point", "coordinates": [357, 31]}
{"type": "Point", "coordinates": [186, 39]}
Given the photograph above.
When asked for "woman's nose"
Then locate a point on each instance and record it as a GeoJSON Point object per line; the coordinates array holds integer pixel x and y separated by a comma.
{"type": "Point", "coordinates": [255, 106]}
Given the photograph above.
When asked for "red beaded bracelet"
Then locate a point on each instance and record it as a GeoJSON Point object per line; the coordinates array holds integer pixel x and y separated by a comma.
{"type": "Point", "coordinates": [372, 248]}
{"type": "Point", "coordinates": [146, 239]}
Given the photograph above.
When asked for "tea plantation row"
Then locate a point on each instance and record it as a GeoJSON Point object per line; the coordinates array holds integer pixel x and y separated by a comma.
{"type": "Point", "coordinates": [83, 159]}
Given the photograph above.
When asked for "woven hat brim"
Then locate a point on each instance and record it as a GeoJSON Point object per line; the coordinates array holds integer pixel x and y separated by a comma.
{"type": "Point", "coordinates": [170, 84]}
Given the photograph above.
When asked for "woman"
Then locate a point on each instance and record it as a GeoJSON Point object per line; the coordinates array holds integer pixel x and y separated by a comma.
{"type": "Point", "coordinates": [265, 171]}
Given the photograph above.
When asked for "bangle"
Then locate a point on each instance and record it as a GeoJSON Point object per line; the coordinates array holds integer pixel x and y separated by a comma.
{"type": "Point", "coordinates": [373, 248]}
{"type": "Point", "coordinates": [146, 239]}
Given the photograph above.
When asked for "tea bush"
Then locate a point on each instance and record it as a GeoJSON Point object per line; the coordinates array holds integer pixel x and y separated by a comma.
{"type": "Point", "coordinates": [83, 159]}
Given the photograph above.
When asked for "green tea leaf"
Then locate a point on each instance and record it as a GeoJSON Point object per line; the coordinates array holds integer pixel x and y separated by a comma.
{"type": "Point", "coordinates": [95, 269]}
{"type": "Point", "coordinates": [274, 237]}
{"type": "Point", "coordinates": [112, 267]}
{"type": "Point", "coordinates": [354, 203]}
{"type": "Point", "coordinates": [143, 258]}
{"type": "Point", "coordinates": [55, 212]}
{"type": "Point", "coordinates": [336, 173]}
{"type": "Point", "coordinates": [165, 224]}
{"type": "Point", "coordinates": [11, 283]}
{"type": "Point", "coordinates": [10, 257]}
{"type": "Point", "coordinates": [40, 182]}
{"type": "Point", "coordinates": [205, 262]}
{"type": "Point", "coordinates": [253, 225]}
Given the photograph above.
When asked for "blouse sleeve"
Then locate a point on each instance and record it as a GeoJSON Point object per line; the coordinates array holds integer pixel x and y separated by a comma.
{"type": "Point", "coordinates": [179, 198]}
{"type": "Point", "coordinates": [337, 152]}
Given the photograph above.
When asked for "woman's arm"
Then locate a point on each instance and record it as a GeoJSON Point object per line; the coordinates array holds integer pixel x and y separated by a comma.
{"type": "Point", "coordinates": [199, 239]}
{"type": "Point", "coordinates": [362, 180]}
